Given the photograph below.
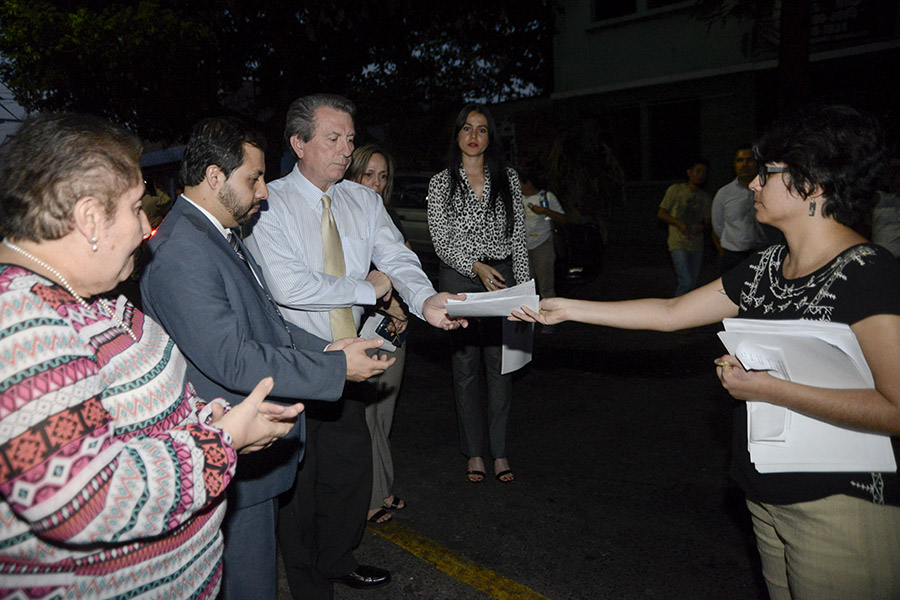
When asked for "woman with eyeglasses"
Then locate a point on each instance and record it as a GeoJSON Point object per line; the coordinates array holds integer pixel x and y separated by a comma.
{"type": "Point", "coordinates": [820, 535]}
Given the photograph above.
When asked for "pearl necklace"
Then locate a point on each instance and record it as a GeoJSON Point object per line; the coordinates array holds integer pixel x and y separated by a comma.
{"type": "Point", "coordinates": [101, 301]}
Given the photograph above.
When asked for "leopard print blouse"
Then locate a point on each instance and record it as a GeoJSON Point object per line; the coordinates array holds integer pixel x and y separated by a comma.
{"type": "Point", "coordinates": [465, 230]}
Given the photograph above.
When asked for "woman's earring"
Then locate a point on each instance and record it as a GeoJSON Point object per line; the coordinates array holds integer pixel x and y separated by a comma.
{"type": "Point", "coordinates": [812, 208]}
{"type": "Point", "coordinates": [94, 243]}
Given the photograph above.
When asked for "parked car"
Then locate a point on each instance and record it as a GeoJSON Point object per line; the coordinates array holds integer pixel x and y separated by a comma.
{"type": "Point", "coordinates": [408, 200]}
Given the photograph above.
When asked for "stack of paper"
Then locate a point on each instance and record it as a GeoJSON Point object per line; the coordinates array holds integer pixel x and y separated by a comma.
{"type": "Point", "coordinates": [518, 337]}
{"type": "Point", "coordinates": [815, 353]}
{"type": "Point", "coordinates": [500, 303]}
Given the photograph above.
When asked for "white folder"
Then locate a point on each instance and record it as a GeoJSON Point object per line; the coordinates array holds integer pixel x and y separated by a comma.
{"type": "Point", "coordinates": [816, 353]}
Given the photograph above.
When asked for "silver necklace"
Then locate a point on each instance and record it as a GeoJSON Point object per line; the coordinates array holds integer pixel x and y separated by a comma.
{"type": "Point", "coordinates": [101, 301]}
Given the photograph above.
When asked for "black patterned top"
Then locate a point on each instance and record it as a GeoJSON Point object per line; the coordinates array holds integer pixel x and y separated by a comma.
{"type": "Point", "coordinates": [464, 230]}
{"type": "Point", "coordinates": [862, 281]}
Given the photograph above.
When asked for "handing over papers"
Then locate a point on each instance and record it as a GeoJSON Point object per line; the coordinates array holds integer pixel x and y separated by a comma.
{"type": "Point", "coordinates": [815, 353]}
{"type": "Point", "coordinates": [518, 338]}
{"type": "Point", "coordinates": [500, 303]}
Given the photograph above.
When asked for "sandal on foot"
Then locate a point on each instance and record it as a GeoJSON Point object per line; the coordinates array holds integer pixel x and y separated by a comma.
{"type": "Point", "coordinates": [503, 474]}
{"type": "Point", "coordinates": [397, 504]}
{"type": "Point", "coordinates": [378, 517]}
{"type": "Point", "coordinates": [471, 475]}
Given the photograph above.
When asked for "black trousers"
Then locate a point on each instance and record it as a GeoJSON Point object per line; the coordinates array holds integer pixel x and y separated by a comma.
{"type": "Point", "coordinates": [322, 520]}
{"type": "Point", "coordinates": [483, 395]}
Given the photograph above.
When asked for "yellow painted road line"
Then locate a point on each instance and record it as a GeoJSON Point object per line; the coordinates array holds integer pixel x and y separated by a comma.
{"type": "Point", "coordinates": [460, 568]}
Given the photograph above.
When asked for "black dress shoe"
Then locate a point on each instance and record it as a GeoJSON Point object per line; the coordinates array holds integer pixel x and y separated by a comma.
{"type": "Point", "coordinates": [365, 577]}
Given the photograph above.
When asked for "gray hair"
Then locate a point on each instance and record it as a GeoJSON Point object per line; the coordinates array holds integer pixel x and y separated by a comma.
{"type": "Point", "coordinates": [53, 161]}
{"type": "Point", "coordinates": [301, 115]}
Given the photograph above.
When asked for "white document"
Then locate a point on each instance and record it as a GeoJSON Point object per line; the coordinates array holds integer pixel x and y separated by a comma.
{"type": "Point", "coordinates": [816, 353]}
{"type": "Point", "coordinates": [499, 303]}
{"type": "Point", "coordinates": [518, 337]}
{"type": "Point", "coordinates": [518, 340]}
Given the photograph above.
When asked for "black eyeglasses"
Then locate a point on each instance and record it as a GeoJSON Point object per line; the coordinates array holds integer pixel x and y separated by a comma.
{"type": "Point", "coordinates": [765, 170]}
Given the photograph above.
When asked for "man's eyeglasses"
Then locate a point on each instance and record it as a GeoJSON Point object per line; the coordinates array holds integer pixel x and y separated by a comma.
{"type": "Point", "coordinates": [765, 170]}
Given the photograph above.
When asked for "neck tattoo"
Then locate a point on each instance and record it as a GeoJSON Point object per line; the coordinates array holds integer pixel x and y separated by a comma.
{"type": "Point", "coordinates": [101, 301]}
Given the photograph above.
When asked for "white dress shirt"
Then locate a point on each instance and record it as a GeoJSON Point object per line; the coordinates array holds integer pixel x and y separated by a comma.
{"type": "Point", "coordinates": [287, 242]}
{"type": "Point", "coordinates": [734, 219]}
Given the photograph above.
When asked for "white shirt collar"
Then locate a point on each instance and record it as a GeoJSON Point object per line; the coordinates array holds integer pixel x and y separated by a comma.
{"type": "Point", "coordinates": [225, 232]}
{"type": "Point", "coordinates": [309, 191]}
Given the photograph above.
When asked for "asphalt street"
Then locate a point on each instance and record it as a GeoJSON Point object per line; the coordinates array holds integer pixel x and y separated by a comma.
{"type": "Point", "coordinates": [620, 444]}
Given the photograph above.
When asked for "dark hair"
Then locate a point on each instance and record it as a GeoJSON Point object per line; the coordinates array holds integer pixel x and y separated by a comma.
{"type": "Point", "coordinates": [301, 114]}
{"type": "Point", "coordinates": [529, 172]}
{"type": "Point", "coordinates": [359, 160]}
{"type": "Point", "coordinates": [56, 159]}
{"type": "Point", "coordinates": [494, 163]}
{"type": "Point", "coordinates": [747, 146]}
{"type": "Point", "coordinates": [218, 141]}
{"type": "Point", "coordinates": [696, 161]}
{"type": "Point", "coordinates": [835, 148]}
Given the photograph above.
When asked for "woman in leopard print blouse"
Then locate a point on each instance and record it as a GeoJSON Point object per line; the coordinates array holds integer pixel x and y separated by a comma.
{"type": "Point", "coordinates": [477, 223]}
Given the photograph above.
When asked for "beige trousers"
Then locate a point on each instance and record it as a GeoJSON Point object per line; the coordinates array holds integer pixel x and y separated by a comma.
{"type": "Point", "coordinates": [380, 419]}
{"type": "Point", "coordinates": [836, 548]}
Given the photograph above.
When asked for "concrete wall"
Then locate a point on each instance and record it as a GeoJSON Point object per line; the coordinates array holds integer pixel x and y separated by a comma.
{"type": "Point", "coordinates": [663, 44]}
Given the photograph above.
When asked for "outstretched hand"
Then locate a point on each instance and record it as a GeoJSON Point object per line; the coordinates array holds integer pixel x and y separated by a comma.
{"type": "Point", "coordinates": [254, 424]}
{"type": "Point", "coordinates": [552, 311]}
{"type": "Point", "coordinates": [435, 311]}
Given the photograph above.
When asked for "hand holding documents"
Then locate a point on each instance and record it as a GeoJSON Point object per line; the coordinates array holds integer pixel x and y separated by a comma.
{"type": "Point", "coordinates": [500, 303]}
{"type": "Point", "coordinates": [815, 353]}
{"type": "Point", "coordinates": [517, 337]}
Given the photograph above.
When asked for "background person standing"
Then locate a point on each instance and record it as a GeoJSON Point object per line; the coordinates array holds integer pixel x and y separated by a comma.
{"type": "Point", "coordinates": [685, 208]}
{"type": "Point", "coordinates": [477, 223]}
{"type": "Point", "coordinates": [733, 215]}
{"type": "Point", "coordinates": [543, 213]}
{"type": "Point", "coordinates": [373, 167]}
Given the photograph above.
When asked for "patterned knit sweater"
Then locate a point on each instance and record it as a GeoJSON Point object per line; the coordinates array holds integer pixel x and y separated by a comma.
{"type": "Point", "coordinates": [110, 484]}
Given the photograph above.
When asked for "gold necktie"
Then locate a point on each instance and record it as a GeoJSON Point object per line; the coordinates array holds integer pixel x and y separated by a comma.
{"type": "Point", "coordinates": [342, 324]}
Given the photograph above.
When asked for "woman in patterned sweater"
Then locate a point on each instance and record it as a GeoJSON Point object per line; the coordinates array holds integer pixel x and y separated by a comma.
{"type": "Point", "coordinates": [477, 222]}
{"type": "Point", "coordinates": [112, 471]}
{"type": "Point", "coordinates": [820, 536]}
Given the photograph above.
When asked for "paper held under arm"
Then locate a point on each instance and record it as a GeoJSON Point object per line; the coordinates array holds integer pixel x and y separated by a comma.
{"type": "Point", "coordinates": [500, 303]}
{"type": "Point", "coordinates": [815, 353]}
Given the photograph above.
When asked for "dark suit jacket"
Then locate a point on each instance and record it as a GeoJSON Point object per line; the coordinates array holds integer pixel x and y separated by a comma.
{"type": "Point", "coordinates": [232, 335]}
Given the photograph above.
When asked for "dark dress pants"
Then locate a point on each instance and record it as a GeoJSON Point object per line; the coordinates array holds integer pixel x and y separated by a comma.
{"type": "Point", "coordinates": [322, 521]}
{"type": "Point", "coordinates": [249, 559]}
{"type": "Point", "coordinates": [476, 361]}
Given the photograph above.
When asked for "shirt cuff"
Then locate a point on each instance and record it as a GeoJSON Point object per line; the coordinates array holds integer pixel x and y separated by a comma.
{"type": "Point", "coordinates": [365, 294]}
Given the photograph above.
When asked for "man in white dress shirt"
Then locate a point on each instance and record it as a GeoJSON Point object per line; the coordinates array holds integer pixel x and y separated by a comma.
{"type": "Point", "coordinates": [733, 216]}
{"type": "Point", "coordinates": [323, 522]}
